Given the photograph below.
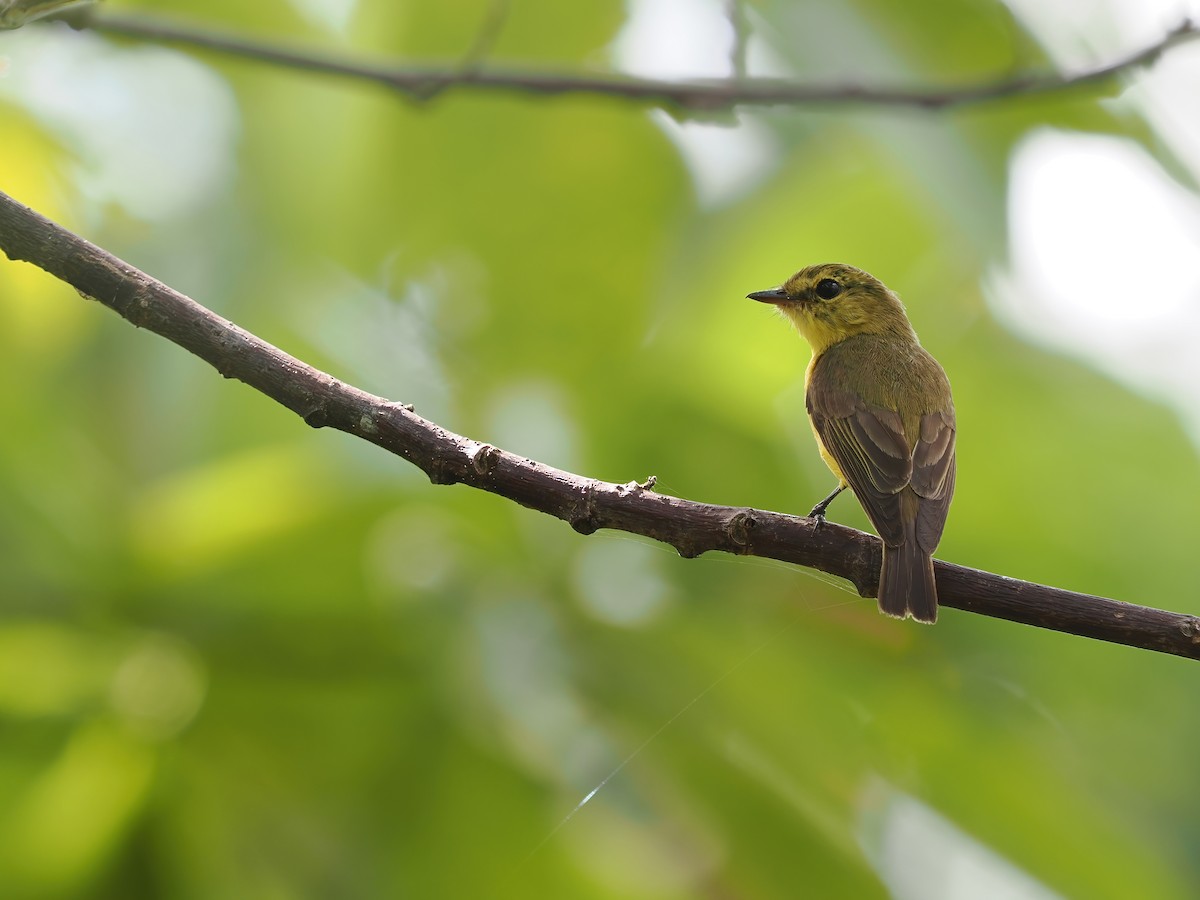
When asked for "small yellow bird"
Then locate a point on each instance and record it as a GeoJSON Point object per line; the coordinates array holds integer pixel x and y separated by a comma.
{"type": "Point", "coordinates": [882, 412]}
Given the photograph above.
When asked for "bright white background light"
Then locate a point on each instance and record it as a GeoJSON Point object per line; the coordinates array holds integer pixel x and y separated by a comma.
{"type": "Point", "coordinates": [682, 39]}
{"type": "Point", "coordinates": [1104, 243]}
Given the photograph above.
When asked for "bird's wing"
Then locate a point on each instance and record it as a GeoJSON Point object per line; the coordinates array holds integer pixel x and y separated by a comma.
{"type": "Point", "coordinates": [933, 475]}
{"type": "Point", "coordinates": [869, 447]}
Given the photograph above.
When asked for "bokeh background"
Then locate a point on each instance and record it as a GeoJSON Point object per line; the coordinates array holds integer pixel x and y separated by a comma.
{"type": "Point", "coordinates": [241, 658]}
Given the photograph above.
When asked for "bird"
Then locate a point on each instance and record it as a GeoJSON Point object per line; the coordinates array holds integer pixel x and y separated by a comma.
{"type": "Point", "coordinates": [882, 412]}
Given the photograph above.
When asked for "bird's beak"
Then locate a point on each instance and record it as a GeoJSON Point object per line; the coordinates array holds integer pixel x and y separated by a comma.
{"type": "Point", "coordinates": [774, 295]}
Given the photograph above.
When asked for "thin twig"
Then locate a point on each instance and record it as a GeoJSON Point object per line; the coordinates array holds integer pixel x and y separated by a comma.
{"type": "Point", "coordinates": [740, 26]}
{"type": "Point", "coordinates": [485, 37]}
{"type": "Point", "coordinates": [692, 528]}
{"type": "Point", "coordinates": [417, 83]}
{"type": "Point", "coordinates": [472, 62]}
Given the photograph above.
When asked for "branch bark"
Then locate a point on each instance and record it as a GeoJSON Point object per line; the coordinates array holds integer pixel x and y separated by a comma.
{"type": "Point", "coordinates": [695, 96]}
{"type": "Point", "coordinates": [585, 503]}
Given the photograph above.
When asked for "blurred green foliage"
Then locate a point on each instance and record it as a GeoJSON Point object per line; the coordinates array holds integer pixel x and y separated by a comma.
{"type": "Point", "coordinates": [239, 658]}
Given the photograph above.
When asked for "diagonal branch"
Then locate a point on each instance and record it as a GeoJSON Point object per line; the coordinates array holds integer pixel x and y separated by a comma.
{"type": "Point", "coordinates": [585, 503]}
{"type": "Point", "coordinates": [422, 83]}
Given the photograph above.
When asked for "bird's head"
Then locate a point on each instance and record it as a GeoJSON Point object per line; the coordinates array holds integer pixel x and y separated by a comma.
{"type": "Point", "coordinates": [831, 302]}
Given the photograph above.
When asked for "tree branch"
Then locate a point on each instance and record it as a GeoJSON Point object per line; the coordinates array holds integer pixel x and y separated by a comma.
{"type": "Point", "coordinates": [585, 503]}
{"type": "Point", "coordinates": [422, 83]}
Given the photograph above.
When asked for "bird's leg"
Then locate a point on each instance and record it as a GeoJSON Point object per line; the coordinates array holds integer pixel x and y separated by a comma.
{"type": "Point", "coordinates": [818, 511]}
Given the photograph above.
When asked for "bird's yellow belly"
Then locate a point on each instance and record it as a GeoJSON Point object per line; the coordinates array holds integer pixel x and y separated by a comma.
{"type": "Point", "coordinates": [829, 460]}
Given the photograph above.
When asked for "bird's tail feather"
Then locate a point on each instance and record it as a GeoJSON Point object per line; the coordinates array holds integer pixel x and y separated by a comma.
{"type": "Point", "coordinates": [906, 583]}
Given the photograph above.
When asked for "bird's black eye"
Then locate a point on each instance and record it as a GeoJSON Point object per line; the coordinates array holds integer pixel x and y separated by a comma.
{"type": "Point", "coordinates": [827, 288]}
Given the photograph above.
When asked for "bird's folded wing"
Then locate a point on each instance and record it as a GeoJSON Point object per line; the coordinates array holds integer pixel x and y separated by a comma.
{"type": "Point", "coordinates": [933, 475]}
{"type": "Point", "coordinates": [869, 447]}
